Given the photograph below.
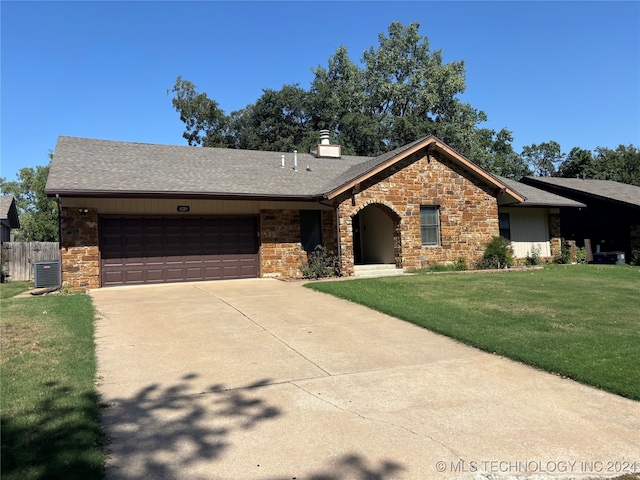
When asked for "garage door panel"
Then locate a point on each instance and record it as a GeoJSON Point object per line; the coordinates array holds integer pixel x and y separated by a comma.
{"type": "Point", "coordinates": [174, 249]}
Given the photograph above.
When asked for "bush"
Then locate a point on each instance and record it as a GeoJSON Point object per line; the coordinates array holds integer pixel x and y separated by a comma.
{"type": "Point", "coordinates": [320, 264]}
{"type": "Point", "coordinates": [635, 257]}
{"type": "Point", "coordinates": [581, 255]}
{"type": "Point", "coordinates": [565, 254]}
{"type": "Point", "coordinates": [533, 257]}
{"type": "Point", "coordinates": [460, 263]}
{"type": "Point", "coordinates": [497, 254]}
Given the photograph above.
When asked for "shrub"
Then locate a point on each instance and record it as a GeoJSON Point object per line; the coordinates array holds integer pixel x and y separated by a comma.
{"type": "Point", "coordinates": [581, 255]}
{"type": "Point", "coordinates": [565, 254]}
{"type": "Point", "coordinates": [497, 254]}
{"type": "Point", "coordinates": [533, 257]}
{"type": "Point", "coordinates": [460, 263]}
{"type": "Point", "coordinates": [320, 264]}
{"type": "Point", "coordinates": [635, 257]}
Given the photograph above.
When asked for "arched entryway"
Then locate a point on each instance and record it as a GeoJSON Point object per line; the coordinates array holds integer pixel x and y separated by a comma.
{"type": "Point", "coordinates": [376, 235]}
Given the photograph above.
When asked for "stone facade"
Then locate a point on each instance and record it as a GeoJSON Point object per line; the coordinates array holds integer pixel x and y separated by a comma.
{"type": "Point", "coordinates": [555, 235]}
{"type": "Point", "coordinates": [468, 215]}
{"type": "Point", "coordinates": [79, 249]}
{"type": "Point", "coordinates": [468, 211]}
{"type": "Point", "coordinates": [281, 252]}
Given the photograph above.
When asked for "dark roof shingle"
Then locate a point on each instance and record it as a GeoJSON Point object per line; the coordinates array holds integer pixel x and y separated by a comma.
{"type": "Point", "coordinates": [603, 189]}
{"type": "Point", "coordinates": [536, 197]}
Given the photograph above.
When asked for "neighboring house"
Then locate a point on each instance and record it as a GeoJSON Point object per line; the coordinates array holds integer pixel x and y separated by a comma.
{"type": "Point", "coordinates": [534, 223]}
{"type": "Point", "coordinates": [8, 218]}
{"type": "Point", "coordinates": [139, 213]}
{"type": "Point", "coordinates": [611, 220]}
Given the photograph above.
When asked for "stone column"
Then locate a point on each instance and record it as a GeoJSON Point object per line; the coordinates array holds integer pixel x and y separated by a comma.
{"type": "Point", "coordinates": [79, 248]}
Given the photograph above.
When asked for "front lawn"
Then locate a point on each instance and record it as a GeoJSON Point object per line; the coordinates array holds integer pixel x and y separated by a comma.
{"type": "Point", "coordinates": [50, 417]}
{"type": "Point", "coordinates": [580, 321]}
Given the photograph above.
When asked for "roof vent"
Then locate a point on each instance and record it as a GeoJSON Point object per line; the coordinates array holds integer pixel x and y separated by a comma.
{"type": "Point", "coordinates": [325, 148]}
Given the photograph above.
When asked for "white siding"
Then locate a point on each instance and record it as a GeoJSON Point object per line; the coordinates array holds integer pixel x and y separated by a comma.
{"type": "Point", "coordinates": [529, 229]}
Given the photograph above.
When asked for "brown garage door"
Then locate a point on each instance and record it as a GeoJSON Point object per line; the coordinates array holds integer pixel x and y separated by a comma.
{"type": "Point", "coordinates": [137, 250]}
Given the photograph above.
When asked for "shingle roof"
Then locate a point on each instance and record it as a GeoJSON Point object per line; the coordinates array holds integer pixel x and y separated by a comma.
{"type": "Point", "coordinates": [104, 166]}
{"type": "Point", "coordinates": [602, 189]}
{"type": "Point", "coordinates": [8, 211]}
{"type": "Point", "coordinates": [82, 166]}
{"type": "Point", "coordinates": [539, 198]}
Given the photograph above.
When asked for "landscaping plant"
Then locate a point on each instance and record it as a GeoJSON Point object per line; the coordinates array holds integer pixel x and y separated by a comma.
{"type": "Point", "coordinates": [497, 254]}
{"type": "Point", "coordinates": [320, 264]}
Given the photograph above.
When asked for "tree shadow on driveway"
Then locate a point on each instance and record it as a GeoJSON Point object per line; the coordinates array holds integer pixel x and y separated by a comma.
{"type": "Point", "coordinates": [170, 432]}
{"type": "Point", "coordinates": [160, 432]}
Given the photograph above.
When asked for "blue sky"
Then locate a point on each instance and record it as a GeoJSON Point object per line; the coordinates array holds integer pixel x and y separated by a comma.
{"type": "Point", "coordinates": [563, 71]}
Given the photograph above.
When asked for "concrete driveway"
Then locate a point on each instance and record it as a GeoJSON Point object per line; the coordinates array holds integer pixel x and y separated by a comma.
{"type": "Point", "coordinates": [261, 379]}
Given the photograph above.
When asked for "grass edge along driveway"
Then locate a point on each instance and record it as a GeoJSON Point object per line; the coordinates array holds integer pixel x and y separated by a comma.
{"type": "Point", "coordinates": [50, 408]}
{"type": "Point", "coordinates": [579, 321]}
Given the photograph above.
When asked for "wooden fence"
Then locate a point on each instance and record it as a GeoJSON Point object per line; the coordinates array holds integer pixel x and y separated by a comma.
{"type": "Point", "coordinates": [19, 257]}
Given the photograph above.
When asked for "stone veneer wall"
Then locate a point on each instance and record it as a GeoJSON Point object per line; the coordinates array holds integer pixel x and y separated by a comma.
{"type": "Point", "coordinates": [79, 249]}
{"type": "Point", "coordinates": [468, 211]}
{"type": "Point", "coordinates": [281, 252]}
{"type": "Point", "coordinates": [555, 235]}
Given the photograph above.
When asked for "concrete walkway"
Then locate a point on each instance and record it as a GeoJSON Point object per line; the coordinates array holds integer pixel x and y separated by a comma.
{"type": "Point", "coordinates": [261, 379]}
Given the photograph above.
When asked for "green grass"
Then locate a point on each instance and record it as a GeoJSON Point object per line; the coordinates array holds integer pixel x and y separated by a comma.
{"type": "Point", "coordinates": [50, 412]}
{"type": "Point", "coordinates": [580, 321]}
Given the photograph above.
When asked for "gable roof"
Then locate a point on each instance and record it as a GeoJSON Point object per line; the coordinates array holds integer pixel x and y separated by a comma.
{"type": "Point", "coordinates": [9, 211]}
{"type": "Point", "coordinates": [536, 197]}
{"type": "Point", "coordinates": [606, 190]}
{"type": "Point", "coordinates": [88, 167]}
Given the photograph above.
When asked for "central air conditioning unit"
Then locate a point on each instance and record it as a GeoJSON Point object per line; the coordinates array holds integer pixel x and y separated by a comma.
{"type": "Point", "coordinates": [46, 274]}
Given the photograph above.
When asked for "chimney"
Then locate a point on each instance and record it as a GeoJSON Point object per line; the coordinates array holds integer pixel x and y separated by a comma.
{"type": "Point", "coordinates": [325, 149]}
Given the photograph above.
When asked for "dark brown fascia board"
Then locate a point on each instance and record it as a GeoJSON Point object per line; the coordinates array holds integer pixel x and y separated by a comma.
{"type": "Point", "coordinates": [442, 147]}
{"type": "Point", "coordinates": [179, 195]}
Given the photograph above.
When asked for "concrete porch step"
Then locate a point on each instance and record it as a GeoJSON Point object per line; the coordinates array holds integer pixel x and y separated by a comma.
{"type": "Point", "coordinates": [376, 270]}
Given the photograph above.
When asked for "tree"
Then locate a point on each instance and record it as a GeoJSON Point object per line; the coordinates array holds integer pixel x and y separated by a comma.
{"type": "Point", "coordinates": [402, 91]}
{"type": "Point", "coordinates": [502, 159]}
{"type": "Point", "coordinates": [38, 213]}
{"type": "Point", "coordinates": [578, 163]}
{"type": "Point", "coordinates": [543, 159]}
{"type": "Point", "coordinates": [620, 165]}
{"type": "Point", "coordinates": [205, 121]}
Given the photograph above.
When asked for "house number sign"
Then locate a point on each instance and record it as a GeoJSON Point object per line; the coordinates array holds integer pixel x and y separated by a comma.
{"type": "Point", "coordinates": [183, 208]}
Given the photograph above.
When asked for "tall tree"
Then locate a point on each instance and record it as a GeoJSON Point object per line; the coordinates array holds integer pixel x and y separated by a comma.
{"type": "Point", "coordinates": [543, 159]}
{"type": "Point", "coordinates": [620, 165]}
{"type": "Point", "coordinates": [402, 91]}
{"type": "Point", "coordinates": [205, 122]}
{"type": "Point", "coordinates": [38, 213]}
{"type": "Point", "coordinates": [578, 163]}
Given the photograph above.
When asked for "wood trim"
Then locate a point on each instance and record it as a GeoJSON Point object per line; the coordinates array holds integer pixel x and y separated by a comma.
{"type": "Point", "coordinates": [433, 144]}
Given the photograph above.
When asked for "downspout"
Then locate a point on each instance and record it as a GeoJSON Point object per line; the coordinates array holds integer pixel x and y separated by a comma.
{"type": "Point", "coordinates": [335, 208]}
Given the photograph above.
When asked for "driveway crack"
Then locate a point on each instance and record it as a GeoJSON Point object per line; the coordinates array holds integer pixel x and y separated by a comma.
{"type": "Point", "coordinates": [377, 420]}
{"type": "Point", "coordinates": [266, 330]}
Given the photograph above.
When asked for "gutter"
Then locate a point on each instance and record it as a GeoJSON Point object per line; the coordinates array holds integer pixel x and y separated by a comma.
{"type": "Point", "coordinates": [181, 195]}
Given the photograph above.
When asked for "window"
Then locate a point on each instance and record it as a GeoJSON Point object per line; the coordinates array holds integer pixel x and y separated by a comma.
{"type": "Point", "coordinates": [430, 225]}
{"type": "Point", "coordinates": [310, 229]}
{"type": "Point", "coordinates": [504, 225]}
